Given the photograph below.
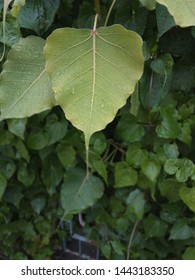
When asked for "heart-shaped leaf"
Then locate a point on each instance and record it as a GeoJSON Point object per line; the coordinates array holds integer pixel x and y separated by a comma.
{"type": "Point", "coordinates": [25, 88]}
{"type": "Point", "coordinates": [79, 192]}
{"type": "Point", "coordinates": [93, 72]}
{"type": "Point", "coordinates": [183, 11]}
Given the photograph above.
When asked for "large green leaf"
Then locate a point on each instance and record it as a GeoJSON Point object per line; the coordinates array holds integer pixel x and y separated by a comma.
{"type": "Point", "coordinates": [93, 72]}
{"type": "Point", "coordinates": [25, 88]}
{"type": "Point", "coordinates": [183, 11]}
{"type": "Point", "coordinates": [79, 192]}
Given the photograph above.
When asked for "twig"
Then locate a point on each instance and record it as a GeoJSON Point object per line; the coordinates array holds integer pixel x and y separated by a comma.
{"type": "Point", "coordinates": [130, 240]}
{"type": "Point", "coordinates": [109, 12]}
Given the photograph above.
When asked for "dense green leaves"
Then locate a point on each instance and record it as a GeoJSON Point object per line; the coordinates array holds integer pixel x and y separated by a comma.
{"type": "Point", "coordinates": [76, 65]}
{"type": "Point", "coordinates": [139, 196]}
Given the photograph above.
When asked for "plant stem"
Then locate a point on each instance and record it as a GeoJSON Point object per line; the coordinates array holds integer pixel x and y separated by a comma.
{"type": "Point", "coordinates": [109, 12]}
{"type": "Point", "coordinates": [130, 239]}
{"type": "Point", "coordinates": [97, 7]}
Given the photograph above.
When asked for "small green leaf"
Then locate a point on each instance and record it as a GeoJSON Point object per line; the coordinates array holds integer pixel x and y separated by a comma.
{"type": "Point", "coordinates": [151, 169]}
{"type": "Point", "coordinates": [136, 202]}
{"type": "Point", "coordinates": [170, 188]}
{"type": "Point", "coordinates": [154, 227]}
{"type": "Point", "coordinates": [25, 175]}
{"type": "Point", "coordinates": [55, 128]}
{"type": "Point", "coordinates": [3, 184]}
{"type": "Point", "coordinates": [79, 192]}
{"type": "Point", "coordinates": [136, 155]}
{"type": "Point", "coordinates": [52, 173]}
{"type": "Point", "coordinates": [118, 247]}
{"type": "Point", "coordinates": [99, 165]}
{"type": "Point", "coordinates": [171, 150]}
{"type": "Point", "coordinates": [7, 167]}
{"type": "Point", "coordinates": [38, 203]}
{"type": "Point", "coordinates": [21, 150]}
{"type": "Point", "coordinates": [17, 127]}
{"type": "Point", "coordinates": [181, 230]}
{"type": "Point", "coordinates": [128, 130]}
{"type": "Point", "coordinates": [169, 127]}
{"type": "Point", "coordinates": [189, 254]}
{"type": "Point", "coordinates": [37, 139]}
{"type": "Point", "coordinates": [188, 197]}
{"type": "Point", "coordinates": [13, 194]}
{"type": "Point", "coordinates": [66, 154]}
{"type": "Point", "coordinates": [106, 250]}
{"type": "Point", "coordinates": [171, 166]}
{"type": "Point", "coordinates": [125, 175]}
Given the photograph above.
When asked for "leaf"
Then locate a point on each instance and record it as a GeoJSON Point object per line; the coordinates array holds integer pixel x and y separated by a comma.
{"type": "Point", "coordinates": [183, 168]}
{"type": "Point", "coordinates": [164, 20]}
{"type": "Point", "coordinates": [66, 154]}
{"type": "Point", "coordinates": [38, 15]}
{"type": "Point", "coordinates": [154, 227]}
{"type": "Point", "coordinates": [151, 169]}
{"type": "Point", "coordinates": [52, 173]}
{"type": "Point", "coordinates": [3, 185]}
{"type": "Point", "coordinates": [189, 254]}
{"type": "Point", "coordinates": [136, 201]}
{"type": "Point", "coordinates": [25, 175]}
{"type": "Point", "coordinates": [17, 127]}
{"type": "Point", "coordinates": [37, 139]}
{"type": "Point", "coordinates": [7, 167]}
{"type": "Point", "coordinates": [181, 230]}
{"type": "Point", "coordinates": [38, 203]}
{"type": "Point", "coordinates": [169, 127]}
{"type": "Point", "coordinates": [13, 195]}
{"type": "Point", "coordinates": [55, 128]}
{"type": "Point", "coordinates": [170, 188]}
{"type": "Point", "coordinates": [25, 88]}
{"type": "Point", "coordinates": [93, 72]}
{"type": "Point", "coordinates": [188, 197]}
{"type": "Point", "coordinates": [135, 154]}
{"type": "Point", "coordinates": [182, 11]}
{"type": "Point", "coordinates": [125, 175]}
{"type": "Point", "coordinates": [128, 130]}
{"type": "Point", "coordinates": [79, 192]}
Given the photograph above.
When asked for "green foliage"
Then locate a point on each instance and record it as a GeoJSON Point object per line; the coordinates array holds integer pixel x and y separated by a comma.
{"type": "Point", "coordinates": [139, 188]}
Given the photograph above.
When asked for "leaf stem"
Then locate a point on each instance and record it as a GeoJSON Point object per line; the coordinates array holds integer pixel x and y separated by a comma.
{"type": "Point", "coordinates": [95, 23]}
{"type": "Point", "coordinates": [109, 12]}
{"type": "Point", "coordinates": [97, 7]}
{"type": "Point", "coordinates": [130, 239]}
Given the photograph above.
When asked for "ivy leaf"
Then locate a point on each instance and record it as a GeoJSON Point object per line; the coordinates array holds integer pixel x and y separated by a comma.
{"type": "Point", "coordinates": [151, 169]}
{"type": "Point", "coordinates": [136, 202]}
{"type": "Point", "coordinates": [188, 197]}
{"type": "Point", "coordinates": [17, 127]}
{"type": "Point", "coordinates": [79, 192]}
{"type": "Point", "coordinates": [23, 79]}
{"type": "Point", "coordinates": [125, 175]}
{"type": "Point", "coordinates": [154, 227]}
{"type": "Point", "coordinates": [181, 230]}
{"type": "Point", "coordinates": [182, 11]}
{"type": "Point", "coordinates": [93, 72]}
